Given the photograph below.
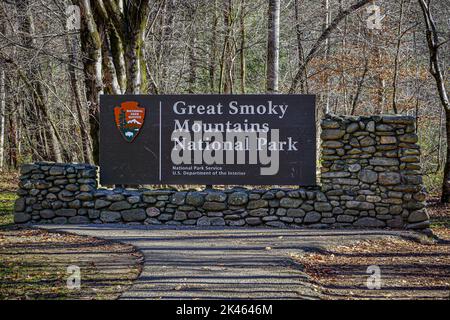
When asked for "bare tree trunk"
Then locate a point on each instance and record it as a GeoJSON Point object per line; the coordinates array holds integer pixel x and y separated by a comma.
{"type": "Point", "coordinates": [273, 46]}
{"type": "Point", "coordinates": [360, 85]}
{"type": "Point", "coordinates": [225, 79]}
{"type": "Point", "coordinates": [191, 51]}
{"type": "Point", "coordinates": [2, 118]}
{"type": "Point", "coordinates": [85, 143]}
{"type": "Point", "coordinates": [436, 71]}
{"type": "Point", "coordinates": [326, 23]}
{"type": "Point", "coordinates": [92, 64]}
{"type": "Point", "coordinates": [213, 51]}
{"type": "Point", "coordinates": [300, 51]}
{"type": "Point", "coordinates": [396, 60]}
{"type": "Point", "coordinates": [242, 49]}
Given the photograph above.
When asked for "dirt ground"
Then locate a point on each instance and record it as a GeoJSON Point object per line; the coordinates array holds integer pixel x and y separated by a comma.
{"type": "Point", "coordinates": [35, 264]}
{"type": "Point", "coordinates": [407, 269]}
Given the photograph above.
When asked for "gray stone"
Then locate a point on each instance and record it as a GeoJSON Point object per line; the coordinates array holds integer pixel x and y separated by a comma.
{"type": "Point", "coordinates": [119, 206]}
{"type": "Point", "coordinates": [110, 216]}
{"type": "Point", "coordinates": [195, 199]}
{"type": "Point", "coordinates": [354, 167]}
{"type": "Point", "coordinates": [133, 215]}
{"type": "Point", "coordinates": [255, 204]}
{"type": "Point", "coordinates": [215, 214]}
{"type": "Point", "coordinates": [217, 221]}
{"type": "Point", "coordinates": [178, 198]}
{"type": "Point", "coordinates": [408, 138]}
{"type": "Point", "coordinates": [290, 202]}
{"type": "Point", "coordinates": [346, 181]}
{"type": "Point", "coordinates": [410, 159]}
{"type": "Point", "coordinates": [165, 217]}
{"type": "Point", "coordinates": [322, 206]}
{"type": "Point", "coordinates": [180, 216]}
{"type": "Point", "coordinates": [367, 142]}
{"type": "Point", "coordinates": [332, 144]}
{"type": "Point", "coordinates": [368, 176]}
{"type": "Point", "coordinates": [100, 203]}
{"type": "Point", "coordinates": [369, 223]}
{"type": "Point", "coordinates": [287, 219]}
{"type": "Point", "coordinates": [56, 171]}
{"type": "Point", "coordinates": [384, 162]}
{"type": "Point", "coordinates": [373, 199]}
{"type": "Point", "coordinates": [332, 134]}
{"type": "Point", "coordinates": [148, 199]}
{"type": "Point", "coordinates": [253, 221]}
{"type": "Point", "coordinates": [79, 220]}
{"type": "Point", "coordinates": [307, 207]}
{"type": "Point", "coordinates": [418, 216]}
{"type": "Point", "coordinates": [389, 178]}
{"type": "Point", "coordinates": [93, 214]}
{"type": "Point", "coordinates": [388, 140]}
{"type": "Point", "coordinates": [114, 197]}
{"type": "Point", "coordinates": [204, 221]}
{"type": "Point", "coordinates": [75, 204]}
{"type": "Point", "coordinates": [194, 214]}
{"type": "Point", "coordinates": [134, 199]}
{"type": "Point", "coordinates": [268, 195]}
{"type": "Point", "coordinates": [152, 212]}
{"type": "Point", "coordinates": [214, 206]}
{"type": "Point", "coordinates": [396, 222]}
{"type": "Point", "coordinates": [19, 205]}
{"type": "Point", "coordinates": [352, 127]}
{"type": "Point", "coordinates": [336, 174]}
{"type": "Point", "coordinates": [66, 195]}
{"type": "Point", "coordinates": [276, 224]}
{"type": "Point", "coordinates": [254, 196]}
{"type": "Point", "coordinates": [27, 168]}
{"type": "Point", "coordinates": [216, 196]}
{"type": "Point", "coordinates": [384, 127]}
{"type": "Point", "coordinates": [47, 214]}
{"type": "Point", "coordinates": [296, 213]}
{"type": "Point", "coordinates": [238, 198]}
{"type": "Point", "coordinates": [269, 218]}
{"type": "Point", "coordinates": [21, 217]}
{"type": "Point", "coordinates": [418, 225]}
{"type": "Point", "coordinates": [66, 212]}
{"type": "Point", "coordinates": [84, 196]}
{"type": "Point", "coordinates": [236, 223]}
{"type": "Point", "coordinates": [72, 187]}
{"type": "Point", "coordinates": [345, 218]}
{"type": "Point", "coordinates": [312, 217]}
{"type": "Point", "coordinates": [329, 124]}
{"type": "Point", "coordinates": [260, 212]}
{"type": "Point", "coordinates": [152, 221]}
{"type": "Point", "coordinates": [59, 220]}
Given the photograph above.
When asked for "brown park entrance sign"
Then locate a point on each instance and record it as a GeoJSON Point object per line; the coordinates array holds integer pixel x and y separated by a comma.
{"type": "Point", "coordinates": [208, 139]}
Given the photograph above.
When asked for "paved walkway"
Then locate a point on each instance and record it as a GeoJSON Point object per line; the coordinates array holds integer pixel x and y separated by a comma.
{"type": "Point", "coordinates": [222, 263]}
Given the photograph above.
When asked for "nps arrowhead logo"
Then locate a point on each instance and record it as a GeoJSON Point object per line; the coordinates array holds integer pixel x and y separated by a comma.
{"type": "Point", "coordinates": [129, 119]}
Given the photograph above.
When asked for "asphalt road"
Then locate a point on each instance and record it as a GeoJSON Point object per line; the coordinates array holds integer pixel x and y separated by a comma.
{"type": "Point", "coordinates": [222, 263]}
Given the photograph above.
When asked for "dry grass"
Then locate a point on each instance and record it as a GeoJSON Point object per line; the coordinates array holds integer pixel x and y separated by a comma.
{"type": "Point", "coordinates": [34, 264]}
{"type": "Point", "coordinates": [409, 270]}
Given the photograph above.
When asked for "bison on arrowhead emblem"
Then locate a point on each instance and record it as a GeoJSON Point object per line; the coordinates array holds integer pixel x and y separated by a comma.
{"type": "Point", "coordinates": [129, 119]}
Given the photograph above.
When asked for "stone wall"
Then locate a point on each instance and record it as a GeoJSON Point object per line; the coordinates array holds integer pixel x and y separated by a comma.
{"type": "Point", "coordinates": [370, 177]}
